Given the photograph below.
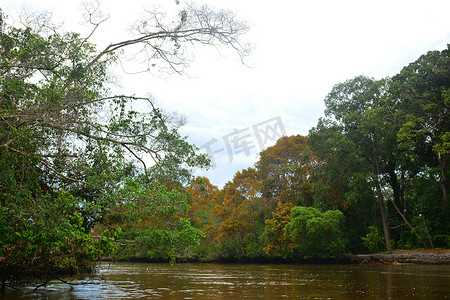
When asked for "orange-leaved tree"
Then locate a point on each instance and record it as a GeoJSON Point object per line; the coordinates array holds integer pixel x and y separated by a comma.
{"type": "Point", "coordinates": [286, 170]}
{"type": "Point", "coordinates": [239, 215]}
{"type": "Point", "coordinates": [279, 244]}
{"type": "Point", "coordinates": [202, 193]}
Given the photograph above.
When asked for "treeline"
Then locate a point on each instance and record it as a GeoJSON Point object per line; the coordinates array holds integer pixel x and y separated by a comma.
{"type": "Point", "coordinates": [371, 176]}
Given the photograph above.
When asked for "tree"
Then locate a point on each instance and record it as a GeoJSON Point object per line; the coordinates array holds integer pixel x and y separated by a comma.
{"type": "Point", "coordinates": [202, 193]}
{"type": "Point", "coordinates": [154, 222]}
{"type": "Point", "coordinates": [423, 91]}
{"type": "Point", "coordinates": [285, 171]}
{"type": "Point", "coordinates": [240, 215]}
{"type": "Point", "coordinates": [358, 107]}
{"type": "Point", "coordinates": [333, 176]}
{"type": "Point", "coordinates": [341, 182]}
{"type": "Point", "coordinates": [203, 199]}
{"type": "Point", "coordinates": [69, 145]}
{"type": "Point", "coordinates": [316, 234]}
{"type": "Point", "coordinates": [279, 244]}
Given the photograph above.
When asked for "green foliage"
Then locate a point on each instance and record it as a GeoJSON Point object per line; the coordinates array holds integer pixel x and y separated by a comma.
{"type": "Point", "coordinates": [159, 242]}
{"type": "Point", "coordinates": [423, 86]}
{"type": "Point", "coordinates": [47, 238]}
{"type": "Point", "coordinates": [153, 222]}
{"type": "Point", "coordinates": [373, 239]}
{"type": "Point", "coordinates": [316, 234]}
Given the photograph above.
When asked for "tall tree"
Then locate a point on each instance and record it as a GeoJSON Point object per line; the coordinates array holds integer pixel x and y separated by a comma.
{"type": "Point", "coordinates": [358, 107]}
{"type": "Point", "coordinates": [332, 177]}
{"type": "Point", "coordinates": [239, 214]}
{"type": "Point", "coordinates": [341, 180]}
{"type": "Point", "coordinates": [423, 91]}
{"type": "Point", "coordinates": [202, 194]}
{"type": "Point", "coordinates": [203, 199]}
{"type": "Point", "coordinates": [68, 145]}
{"type": "Point", "coordinates": [285, 171]}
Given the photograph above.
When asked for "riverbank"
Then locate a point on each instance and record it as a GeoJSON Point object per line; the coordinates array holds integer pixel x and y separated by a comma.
{"type": "Point", "coordinates": [420, 256]}
{"type": "Point", "coordinates": [427, 257]}
{"type": "Point", "coordinates": [346, 259]}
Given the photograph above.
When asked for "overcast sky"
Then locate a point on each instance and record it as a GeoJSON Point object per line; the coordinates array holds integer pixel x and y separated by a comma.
{"type": "Point", "coordinates": [302, 48]}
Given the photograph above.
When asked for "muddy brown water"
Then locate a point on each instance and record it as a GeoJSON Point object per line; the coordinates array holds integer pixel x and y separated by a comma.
{"type": "Point", "coordinates": [250, 281]}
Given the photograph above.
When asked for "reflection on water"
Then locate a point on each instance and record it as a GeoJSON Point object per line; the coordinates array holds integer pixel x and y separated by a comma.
{"type": "Point", "coordinates": [228, 281]}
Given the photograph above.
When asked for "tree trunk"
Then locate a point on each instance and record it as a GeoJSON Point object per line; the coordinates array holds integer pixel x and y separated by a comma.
{"type": "Point", "coordinates": [445, 181]}
{"type": "Point", "coordinates": [394, 183]}
{"type": "Point", "coordinates": [384, 219]}
{"type": "Point", "coordinates": [380, 199]}
{"type": "Point", "coordinates": [411, 227]}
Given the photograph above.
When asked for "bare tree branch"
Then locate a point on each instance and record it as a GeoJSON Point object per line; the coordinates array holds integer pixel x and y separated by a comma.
{"type": "Point", "coordinates": [91, 13]}
{"type": "Point", "coordinates": [196, 25]}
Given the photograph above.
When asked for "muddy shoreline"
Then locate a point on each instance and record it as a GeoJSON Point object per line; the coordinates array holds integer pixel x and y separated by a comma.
{"type": "Point", "coordinates": [403, 258]}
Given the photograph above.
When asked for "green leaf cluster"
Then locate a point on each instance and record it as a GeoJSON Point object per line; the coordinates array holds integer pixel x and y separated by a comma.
{"type": "Point", "coordinates": [316, 234]}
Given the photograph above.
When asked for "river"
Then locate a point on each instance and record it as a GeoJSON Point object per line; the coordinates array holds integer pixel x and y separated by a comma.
{"type": "Point", "coordinates": [250, 281]}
